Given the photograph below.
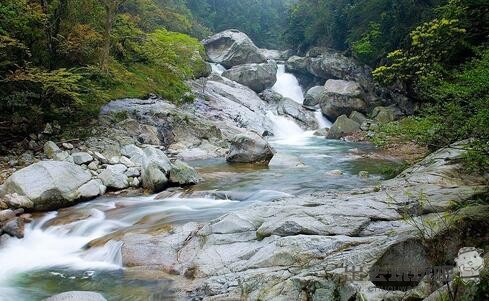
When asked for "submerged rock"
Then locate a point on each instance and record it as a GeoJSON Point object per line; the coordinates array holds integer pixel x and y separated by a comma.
{"type": "Point", "coordinates": [257, 77]}
{"type": "Point", "coordinates": [231, 48]}
{"type": "Point", "coordinates": [249, 148]}
{"type": "Point", "coordinates": [77, 296]}
{"type": "Point", "coordinates": [48, 184]}
{"type": "Point", "coordinates": [343, 126]}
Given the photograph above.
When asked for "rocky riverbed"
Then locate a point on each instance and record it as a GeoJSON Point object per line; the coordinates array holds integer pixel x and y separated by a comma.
{"type": "Point", "coordinates": [235, 196]}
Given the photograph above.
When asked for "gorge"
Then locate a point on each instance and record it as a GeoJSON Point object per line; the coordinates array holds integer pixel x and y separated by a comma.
{"type": "Point", "coordinates": [162, 215]}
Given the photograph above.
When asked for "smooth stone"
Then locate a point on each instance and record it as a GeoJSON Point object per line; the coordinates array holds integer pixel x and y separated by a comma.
{"type": "Point", "coordinates": [183, 174]}
{"type": "Point", "coordinates": [15, 200]}
{"type": "Point", "coordinates": [250, 148]}
{"type": "Point", "coordinates": [77, 296]}
{"type": "Point", "coordinates": [343, 126]}
{"type": "Point", "coordinates": [50, 149]}
{"type": "Point", "coordinates": [81, 158]}
{"type": "Point", "coordinates": [113, 176]}
{"type": "Point", "coordinates": [48, 184]}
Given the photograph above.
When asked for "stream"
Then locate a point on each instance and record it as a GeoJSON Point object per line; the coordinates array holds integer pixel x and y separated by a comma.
{"type": "Point", "coordinates": [53, 257]}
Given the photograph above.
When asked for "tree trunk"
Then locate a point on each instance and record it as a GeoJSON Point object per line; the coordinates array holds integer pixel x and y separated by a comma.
{"type": "Point", "coordinates": [110, 8]}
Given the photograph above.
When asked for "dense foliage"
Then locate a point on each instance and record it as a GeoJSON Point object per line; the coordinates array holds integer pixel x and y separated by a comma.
{"type": "Point", "coordinates": [367, 28]}
{"type": "Point", "coordinates": [61, 59]}
{"type": "Point", "coordinates": [264, 21]}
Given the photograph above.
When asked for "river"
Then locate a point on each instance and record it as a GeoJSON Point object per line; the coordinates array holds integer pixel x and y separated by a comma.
{"type": "Point", "coordinates": [53, 256]}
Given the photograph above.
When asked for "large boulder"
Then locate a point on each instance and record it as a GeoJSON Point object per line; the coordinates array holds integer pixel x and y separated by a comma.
{"type": "Point", "coordinates": [231, 48]}
{"type": "Point", "coordinates": [305, 118]}
{"type": "Point", "coordinates": [297, 64]}
{"type": "Point", "coordinates": [77, 296]}
{"type": "Point", "coordinates": [341, 97]}
{"type": "Point", "coordinates": [49, 184]}
{"type": "Point", "coordinates": [257, 77]}
{"type": "Point", "coordinates": [155, 169]}
{"type": "Point", "coordinates": [343, 126]}
{"type": "Point", "coordinates": [113, 176]}
{"type": "Point", "coordinates": [313, 96]}
{"type": "Point", "coordinates": [249, 148]}
{"type": "Point", "coordinates": [182, 174]}
{"type": "Point", "coordinates": [386, 114]}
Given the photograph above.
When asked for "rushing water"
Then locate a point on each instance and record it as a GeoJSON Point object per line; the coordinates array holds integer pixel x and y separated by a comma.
{"type": "Point", "coordinates": [53, 257]}
{"type": "Point", "coordinates": [217, 68]}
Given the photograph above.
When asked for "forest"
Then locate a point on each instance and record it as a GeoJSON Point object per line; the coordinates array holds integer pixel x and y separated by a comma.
{"type": "Point", "coordinates": [62, 59]}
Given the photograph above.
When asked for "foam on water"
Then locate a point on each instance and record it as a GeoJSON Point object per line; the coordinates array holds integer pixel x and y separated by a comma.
{"type": "Point", "coordinates": [288, 85]}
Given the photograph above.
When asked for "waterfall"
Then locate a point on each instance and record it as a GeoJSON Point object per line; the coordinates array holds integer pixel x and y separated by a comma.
{"type": "Point", "coordinates": [283, 127]}
{"type": "Point", "coordinates": [217, 68]}
{"type": "Point", "coordinates": [323, 122]}
{"type": "Point", "coordinates": [288, 85]}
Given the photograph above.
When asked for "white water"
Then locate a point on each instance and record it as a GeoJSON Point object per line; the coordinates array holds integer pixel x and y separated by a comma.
{"type": "Point", "coordinates": [217, 68]}
{"type": "Point", "coordinates": [57, 246]}
{"type": "Point", "coordinates": [288, 85]}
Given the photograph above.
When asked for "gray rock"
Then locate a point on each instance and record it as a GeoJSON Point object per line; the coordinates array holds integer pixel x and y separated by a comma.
{"type": "Point", "coordinates": [155, 169]}
{"type": "Point", "coordinates": [81, 158]}
{"type": "Point", "coordinates": [48, 184]}
{"type": "Point", "coordinates": [92, 189]}
{"type": "Point", "coordinates": [15, 227]}
{"type": "Point", "coordinates": [257, 77]}
{"type": "Point", "coordinates": [305, 118]}
{"type": "Point", "coordinates": [93, 165]}
{"type": "Point", "coordinates": [77, 296]}
{"type": "Point", "coordinates": [313, 96]}
{"type": "Point", "coordinates": [341, 98]}
{"type": "Point", "coordinates": [50, 149]}
{"type": "Point", "coordinates": [113, 176]}
{"type": "Point", "coordinates": [133, 152]}
{"type": "Point", "coordinates": [16, 201]}
{"type": "Point", "coordinates": [271, 96]}
{"type": "Point", "coordinates": [6, 215]}
{"type": "Point", "coordinates": [68, 146]}
{"type": "Point", "coordinates": [127, 162]}
{"type": "Point", "coordinates": [101, 158]}
{"type": "Point", "coordinates": [63, 156]}
{"type": "Point", "coordinates": [343, 126]}
{"type": "Point", "coordinates": [231, 48]}
{"type": "Point", "coordinates": [133, 172]}
{"type": "Point", "coordinates": [297, 64]}
{"type": "Point", "coordinates": [386, 114]}
{"type": "Point", "coordinates": [321, 132]}
{"type": "Point", "coordinates": [134, 182]}
{"type": "Point", "coordinates": [358, 117]}
{"type": "Point", "coordinates": [183, 174]}
{"type": "Point", "coordinates": [250, 148]}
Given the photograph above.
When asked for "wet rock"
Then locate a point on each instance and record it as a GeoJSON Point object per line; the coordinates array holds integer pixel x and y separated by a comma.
{"type": "Point", "coordinates": [341, 98]}
{"type": "Point", "coordinates": [271, 96]}
{"type": "Point", "coordinates": [6, 215]}
{"type": "Point", "coordinates": [16, 201]}
{"type": "Point", "coordinates": [81, 158]}
{"type": "Point", "coordinates": [50, 149]}
{"type": "Point", "coordinates": [183, 174]}
{"type": "Point", "coordinates": [231, 48]}
{"type": "Point", "coordinates": [113, 176]}
{"type": "Point", "coordinates": [321, 132]}
{"type": "Point", "coordinates": [313, 96]}
{"type": "Point", "coordinates": [92, 189]}
{"type": "Point", "coordinates": [249, 148]}
{"type": "Point", "coordinates": [285, 160]}
{"type": "Point", "coordinates": [363, 174]}
{"type": "Point", "coordinates": [343, 126]}
{"type": "Point", "coordinates": [155, 169]}
{"type": "Point", "coordinates": [77, 296]}
{"type": "Point", "coordinates": [257, 77]}
{"type": "Point", "coordinates": [15, 227]}
{"type": "Point", "coordinates": [334, 173]}
{"type": "Point", "coordinates": [48, 184]}
{"type": "Point", "coordinates": [305, 118]}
